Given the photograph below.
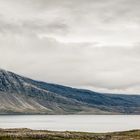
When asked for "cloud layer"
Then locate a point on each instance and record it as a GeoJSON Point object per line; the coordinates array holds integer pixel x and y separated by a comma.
{"type": "Point", "coordinates": [82, 43]}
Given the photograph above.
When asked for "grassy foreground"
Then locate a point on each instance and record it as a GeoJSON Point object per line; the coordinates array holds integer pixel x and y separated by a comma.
{"type": "Point", "coordinates": [27, 134]}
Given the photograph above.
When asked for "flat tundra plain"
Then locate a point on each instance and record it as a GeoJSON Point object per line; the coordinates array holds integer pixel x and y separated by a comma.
{"type": "Point", "coordinates": [28, 134]}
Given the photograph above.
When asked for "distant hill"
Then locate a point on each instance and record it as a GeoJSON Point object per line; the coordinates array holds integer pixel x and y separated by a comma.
{"type": "Point", "coordinates": [21, 95]}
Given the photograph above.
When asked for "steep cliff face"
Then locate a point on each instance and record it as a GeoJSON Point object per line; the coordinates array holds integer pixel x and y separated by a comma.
{"type": "Point", "coordinates": [21, 95]}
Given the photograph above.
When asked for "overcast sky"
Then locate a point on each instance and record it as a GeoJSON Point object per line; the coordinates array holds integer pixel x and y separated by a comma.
{"type": "Point", "coordinates": [93, 44]}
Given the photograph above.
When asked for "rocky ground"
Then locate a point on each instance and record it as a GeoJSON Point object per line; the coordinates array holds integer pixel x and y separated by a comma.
{"type": "Point", "coordinates": [27, 134]}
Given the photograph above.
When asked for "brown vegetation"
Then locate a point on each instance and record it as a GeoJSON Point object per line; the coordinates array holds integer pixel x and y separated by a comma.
{"type": "Point", "coordinates": [27, 134]}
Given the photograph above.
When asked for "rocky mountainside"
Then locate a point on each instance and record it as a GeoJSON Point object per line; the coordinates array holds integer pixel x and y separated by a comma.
{"type": "Point", "coordinates": [21, 95]}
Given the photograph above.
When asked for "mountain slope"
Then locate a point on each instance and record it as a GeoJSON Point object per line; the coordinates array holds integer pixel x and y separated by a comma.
{"type": "Point", "coordinates": [21, 95]}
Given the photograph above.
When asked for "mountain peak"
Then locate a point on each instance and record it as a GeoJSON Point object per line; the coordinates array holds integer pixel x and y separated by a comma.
{"type": "Point", "coordinates": [9, 82]}
{"type": "Point", "coordinates": [2, 70]}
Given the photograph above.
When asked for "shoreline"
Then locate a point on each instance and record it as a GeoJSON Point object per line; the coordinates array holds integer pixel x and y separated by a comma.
{"type": "Point", "coordinates": [29, 134]}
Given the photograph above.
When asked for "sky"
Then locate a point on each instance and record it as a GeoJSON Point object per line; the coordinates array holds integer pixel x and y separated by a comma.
{"type": "Point", "coordinates": [92, 44]}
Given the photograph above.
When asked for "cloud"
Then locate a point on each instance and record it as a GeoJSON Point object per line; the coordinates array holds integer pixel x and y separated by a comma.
{"type": "Point", "coordinates": [81, 43]}
{"type": "Point", "coordinates": [108, 68]}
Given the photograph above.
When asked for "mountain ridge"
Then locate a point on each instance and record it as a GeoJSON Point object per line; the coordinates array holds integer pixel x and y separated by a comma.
{"type": "Point", "coordinates": [21, 95]}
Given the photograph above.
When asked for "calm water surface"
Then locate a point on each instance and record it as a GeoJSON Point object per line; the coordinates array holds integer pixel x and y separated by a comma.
{"type": "Point", "coordinates": [87, 123]}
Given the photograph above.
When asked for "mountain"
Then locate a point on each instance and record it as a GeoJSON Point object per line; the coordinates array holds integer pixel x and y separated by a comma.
{"type": "Point", "coordinates": [21, 95]}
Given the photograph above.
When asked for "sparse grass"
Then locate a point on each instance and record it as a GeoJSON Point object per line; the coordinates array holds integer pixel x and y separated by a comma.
{"type": "Point", "coordinates": [27, 134]}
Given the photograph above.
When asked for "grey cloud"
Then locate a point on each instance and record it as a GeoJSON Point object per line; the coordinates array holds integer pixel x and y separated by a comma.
{"type": "Point", "coordinates": [72, 64]}
{"type": "Point", "coordinates": [33, 27]}
{"type": "Point", "coordinates": [81, 43]}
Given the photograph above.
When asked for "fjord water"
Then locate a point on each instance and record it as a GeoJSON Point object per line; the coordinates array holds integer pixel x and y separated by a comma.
{"type": "Point", "coordinates": [83, 123]}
